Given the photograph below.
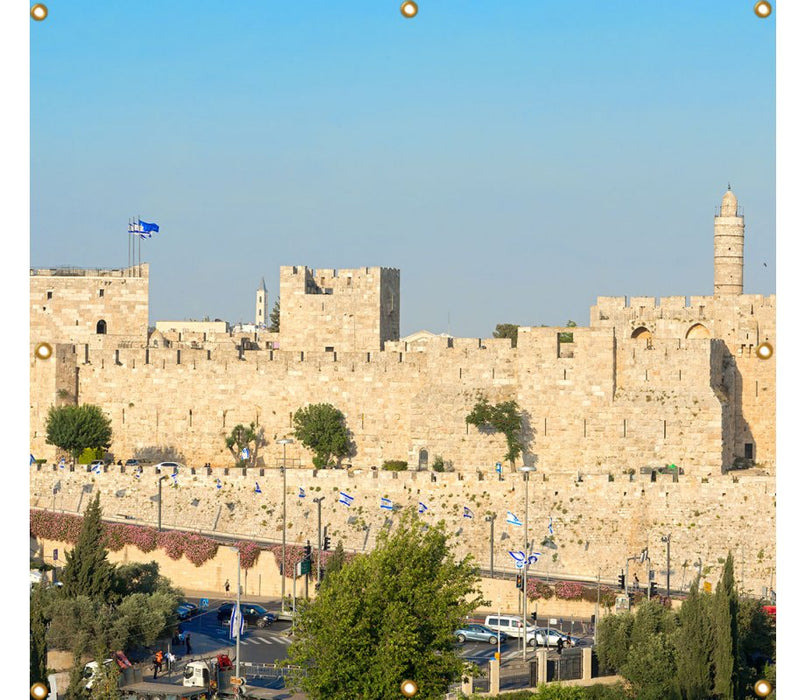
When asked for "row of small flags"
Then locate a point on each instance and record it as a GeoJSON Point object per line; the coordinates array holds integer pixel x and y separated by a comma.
{"type": "Point", "coordinates": [142, 228]}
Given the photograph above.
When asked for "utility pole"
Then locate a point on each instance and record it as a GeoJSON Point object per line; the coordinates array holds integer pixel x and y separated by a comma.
{"type": "Point", "coordinates": [318, 501]}
{"type": "Point", "coordinates": [159, 503]}
{"type": "Point", "coordinates": [667, 540]}
{"type": "Point", "coordinates": [284, 442]}
{"type": "Point", "coordinates": [491, 520]}
{"type": "Point", "coordinates": [526, 472]}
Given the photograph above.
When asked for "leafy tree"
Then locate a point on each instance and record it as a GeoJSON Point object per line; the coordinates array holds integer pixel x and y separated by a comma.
{"type": "Point", "coordinates": [651, 669]}
{"type": "Point", "coordinates": [337, 560]}
{"type": "Point", "coordinates": [506, 330]}
{"type": "Point", "coordinates": [141, 619]}
{"type": "Point", "coordinates": [74, 428]}
{"type": "Point", "coordinates": [501, 418]}
{"type": "Point", "coordinates": [139, 577]}
{"type": "Point", "coordinates": [87, 571]}
{"type": "Point", "coordinates": [756, 632]}
{"type": "Point", "coordinates": [38, 644]}
{"type": "Point", "coordinates": [243, 436]}
{"type": "Point", "coordinates": [320, 427]}
{"type": "Point", "coordinates": [388, 616]}
{"type": "Point", "coordinates": [274, 318]}
{"type": "Point", "coordinates": [614, 634]}
{"type": "Point", "coordinates": [694, 645]}
{"type": "Point", "coordinates": [725, 619]}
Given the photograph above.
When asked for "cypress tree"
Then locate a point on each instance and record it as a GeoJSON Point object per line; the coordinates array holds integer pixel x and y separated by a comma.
{"type": "Point", "coordinates": [39, 649]}
{"type": "Point", "coordinates": [725, 652]}
{"type": "Point", "coordinates": [87, 571]}
{"type": "Point", "coordinates": [694, 646]}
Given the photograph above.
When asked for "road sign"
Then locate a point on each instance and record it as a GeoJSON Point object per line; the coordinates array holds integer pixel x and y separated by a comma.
{"type": "Point", "coordinates": [204, 602]}
{"type": "Point", "coordinates": [708, 587]}
{"type": "Point", "coordinates": [302, 567]}
{"type": "Point", "coordinates": [237, 681]}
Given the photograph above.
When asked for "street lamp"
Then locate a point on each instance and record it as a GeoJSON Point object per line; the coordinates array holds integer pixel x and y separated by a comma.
{"type": "Point", "coordinates": [526, 471]}
{"type": "Point", "coordinates": [238, 617]}
{"type": "Point", "coordinates": [318, 501]}
{"type": "Point", "coordinates": [159, 503]}
{"type": "Point", "coordinates": [491, 520]}
{"type": "Point", "coordinates": [284, 442]}
{"type": "Point", "coordinates": [667, 540]}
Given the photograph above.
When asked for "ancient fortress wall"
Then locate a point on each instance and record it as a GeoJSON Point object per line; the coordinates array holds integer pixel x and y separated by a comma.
{"type": "Point", "coordinates": [597, 522]}
{"type": "Point", "coordinates": [68, 304]}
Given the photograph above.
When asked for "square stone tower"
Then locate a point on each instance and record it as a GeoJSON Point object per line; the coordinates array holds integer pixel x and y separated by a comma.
{"type": "Point", "coordinates": [338, 310]}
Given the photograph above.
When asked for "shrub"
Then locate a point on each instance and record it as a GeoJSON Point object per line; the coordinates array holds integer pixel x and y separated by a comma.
{"type": "Point", "coordinates": [539, 590]}
{"type": "Point", "coordinates": [568, 590]}
{"type": "Point", "coordinates": [438, 463]}
{"type": "Point", "coordinates": [395, 465]}
{"type": "Point", "coordinates": [89, 455]}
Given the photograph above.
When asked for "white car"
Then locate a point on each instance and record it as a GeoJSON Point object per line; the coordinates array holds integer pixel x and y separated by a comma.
{"type": "Point", "coordinates": [549, 637]}
{"type": "Point", "coordinates": [169, 467]}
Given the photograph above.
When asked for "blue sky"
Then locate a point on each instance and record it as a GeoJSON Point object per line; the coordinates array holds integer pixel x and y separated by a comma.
{"type": "Point", "coordinates": [513, 159]}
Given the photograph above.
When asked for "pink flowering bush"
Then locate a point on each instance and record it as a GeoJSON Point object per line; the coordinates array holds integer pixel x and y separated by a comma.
{"type": "Point", "coordinates": [539, 589]}
{"type": "Point", "coordinates": [569, 590]}
{"type": "Point", "coordinates": [249, 551]}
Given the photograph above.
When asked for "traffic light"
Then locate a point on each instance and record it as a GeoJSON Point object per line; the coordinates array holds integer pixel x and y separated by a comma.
{"type": "Point", "coordinates": [622, 581]}
{"type": "Point", "coordinates": [653, 589]}
{"type": "Point", "coordinates": [534, 616]}
{"type": "Point", "coordinates": [326, 542]}
{"type": "Point", "coordinates": [308, 551]}
{"type": "Point", "coordinates": [520, 581]}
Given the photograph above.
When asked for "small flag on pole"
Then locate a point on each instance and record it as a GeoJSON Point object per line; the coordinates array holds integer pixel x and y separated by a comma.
{"type": "Point", "coordinates": [218, 484]}
{"type": "Point", "coordinates": [301, 492]}
{"type": "Point", "coordinates": [97, 469]}
{"type": "Point", "coordinates": [467, 512]}
{"type": "Point", "coordinates": [512, 519]}
{"type": "Point", "coordinates": [61, 463]}
{"type": "Point", "coordinates": [33, 461]}
{"type": "Point", "coordinates": [345, 499]}
{"type": "Point", "coordinates": [257, 488]}
{"type": "Point", "coordinates": [498, 467]}
{"type": "Point", "coordinates": [175, 478]}
{"type": "Point", "coordinates": [422, 507]}
{"type": "Point", "coordinates": [244, 453]}
{"type": "Point", "coordinates": [235, 621]}
{"type": "Point", "coordinates": [136, 475]}
{"type": "Point", "coordinates": [385, 504]}
{"type": "Point", "coordinates": [550, 526]}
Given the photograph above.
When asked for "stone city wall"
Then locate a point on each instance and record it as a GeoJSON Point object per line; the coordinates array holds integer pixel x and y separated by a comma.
{"type": "Point", "coordinates": [597, 522]}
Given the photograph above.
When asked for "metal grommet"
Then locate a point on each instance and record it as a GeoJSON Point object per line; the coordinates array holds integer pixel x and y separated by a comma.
{"type": "Point", "coordinates": [409, 9]}
{"type": "Point", "coordinates": [764, 351]}
{"type": "Point", "coordinates": [39, 691]}
{"type": "Point", "coordinates": [39, 12]}
{"type": "Point", "coordinates": [762, 688]}
{"type": "Point", "coordinates": [763, 9]}
{"type": "Point", "coordinates": [43, 351]}
{"type": "Point", "coordinates": [408, 688]}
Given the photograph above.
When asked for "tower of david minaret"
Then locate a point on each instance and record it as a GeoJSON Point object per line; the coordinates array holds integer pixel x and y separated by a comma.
{"type": "Point", "coordinates": [261, 302]}
{"type": "Point", "coordinates": [729, 248]}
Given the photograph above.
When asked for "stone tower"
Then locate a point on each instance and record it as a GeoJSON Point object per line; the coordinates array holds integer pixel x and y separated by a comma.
{"type": "Point", "coordinates": [729, 247]}
{"type": "Point", "coordinates": [261, 303]}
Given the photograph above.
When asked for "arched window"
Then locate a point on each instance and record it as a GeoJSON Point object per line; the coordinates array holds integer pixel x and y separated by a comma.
{"type": "Point", "coordinates": [100, 327]}
{"type": "Point", "coordinates": [697, 330]}
{"type": "Point", "coordinates": [641, 332]}
{"type": "Point", "coordinates": [423, 459]}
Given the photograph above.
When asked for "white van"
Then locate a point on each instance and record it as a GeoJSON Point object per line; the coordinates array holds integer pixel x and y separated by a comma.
{"type": "Point", "coordinates": [511, 625]}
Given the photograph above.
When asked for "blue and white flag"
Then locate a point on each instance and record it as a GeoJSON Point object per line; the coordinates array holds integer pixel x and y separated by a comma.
{"type": "Point", "coordinates": [301, 492]}
{"type": "Point", "coordinates": [550, 526]}
{"type": "Point", "coordinates": [218, 484]}
{"type": "Point", "coordinates": [235, 621]}
{"type": "Point", "coordinates": [175, 477]}
{"type": "Point", "coordinates": [244, 453]}
{"type": "Point", "coordinates": [467, 512]}
{"type": "Point", "coordinates": [498, 467]}
{"type": "Point", "coordinates": [422, 507]}
{"type": "Point", "coordinates": [97, 469]}
{"type": "Point", "coordinates": [345, 499]}
{"type": "Point", "coordinates": [62, 463]}
{"type": "Point", "coordinates": [33, 461]}
{"type": "Point", "coordinates": [136, 475]}
{"type": "Point", "coordinates": [257, 488]}
{"type": "Point", "coordinates": [386, 504]}
{"type": "Point", "coordinates": [512, 519]}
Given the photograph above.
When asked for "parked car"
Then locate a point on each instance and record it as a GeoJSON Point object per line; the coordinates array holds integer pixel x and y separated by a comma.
{"type": "Point", "coordinates": [133, 462]}
{"type": "Point", "coordinates": [512, 625]}
{"type": "Point", "coordinates": [186, 610]}
{"type": "Point", "coordinates": [549, 637]}
{"type": "Point", "coordinates": [478, 633]}
{"type": "Point", "coordinates": [252, 613]}
{"type": "Point", "coordinates": [169, 467]}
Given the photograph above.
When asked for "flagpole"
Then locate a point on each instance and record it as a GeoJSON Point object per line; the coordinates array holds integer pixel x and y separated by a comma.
{"type": "Point", "coordinates": [140, 260]}
{"type": "Point", "coordinates": [238, 622]}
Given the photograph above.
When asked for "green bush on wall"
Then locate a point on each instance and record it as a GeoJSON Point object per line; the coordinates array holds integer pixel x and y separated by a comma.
{"type": "Point", "coordinates": [89, 455]}
{"type": "Point", "coordinates": [395, 465]}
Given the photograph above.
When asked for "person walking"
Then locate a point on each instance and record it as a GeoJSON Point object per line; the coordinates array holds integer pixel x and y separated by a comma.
{"type": "Point", "coordinates": [560, 643]}
{"type": "Point", "coordinates": [188, 648]}
{"type": "Point", "coordinates": [226, 588]}
{"type": "Point", "coordinates": [636, 583]}
{"type": "Point", "coordinates": [156, 665]}
{"type": "Point", "coordinates": [171, 659]}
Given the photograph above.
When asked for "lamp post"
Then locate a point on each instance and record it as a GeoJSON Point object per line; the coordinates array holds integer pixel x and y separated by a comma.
{"type": "Point", "coordinates": [491, 520]}
{"type": "Point", "coordinates": [284, 442]}
{"type": "Point", "coordinates": [238, 617]}
{"type": "Point", "coordinates": [318, 501]}
{"type": "Point", "coordinates": [159, 504]}
{"type": "Point", "coordinates": [667, 540]}
{"type": "Point", "coordinates": [526, 471]}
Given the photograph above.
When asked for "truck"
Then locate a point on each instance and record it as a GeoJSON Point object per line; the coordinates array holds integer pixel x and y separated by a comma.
{"type": "Point", "coordinates": [202, 679]}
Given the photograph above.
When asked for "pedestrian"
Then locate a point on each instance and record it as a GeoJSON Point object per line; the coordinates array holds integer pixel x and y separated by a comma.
{"type": "Point", "coordinates": [226, 588]}
{"type": "Point", "coordinates": [159, 657]}
{"type": "Point", "coordinates": [188, 648]}
{"type": "Point", "coordinates": [156, 666]}
{"type": "Point", "coordinates": [636, 585]}
{"type": "Point", "coordinates": [560, 643]}
{"type": "Point", "coordinates": [171, 659]}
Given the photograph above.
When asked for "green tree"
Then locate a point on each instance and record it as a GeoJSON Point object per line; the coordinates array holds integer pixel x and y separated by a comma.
{"type": "Point", "coordinates": [386, 617]}
{"type": "Point", "coordinates": [74, 428]}
{"type": "Point", "coordinates": [651, 669]}
{"type": "Point", "coordinates": [320, 427]}
{"type": "Point", "coordinates": [274, 318]}
{"type": "Point", "coordinates": [500, 418]}
{"type": "Point", "coordinates": [694, 645]}
{"type": "Point", "coordinates": [38, 643]}
{"type": "Point", "coordinates": [336, 561]}
{"type": "Point", "coordinates": [756, 632]}
{"type": "Point", "coordinates": [87, 571]}
{"type": "Point", "coordinates": [250, 437]}
{"type": "Point", "coordinates": [506, 330]}
{"type": "Point", "coordinates": [614, 635]}
{"type": "Point", "coordinates": [725, 623]}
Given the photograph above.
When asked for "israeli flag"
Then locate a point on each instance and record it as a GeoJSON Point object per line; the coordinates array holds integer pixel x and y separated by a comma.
{"type": "Point", "coordinates": [467, 512]}
{"type": "Point", "coordinates": [385, 504]}
{"type": "Point", "coordinates": [301, 492]}
{"type": "Point", "coordinates": [97, 469]}
{"type": "Point", "coordinates": [345, 499]}
{"type": "Point", "coordinates": [257, 488]}
{"type": "Point", "coordinates": [244, 453]}
{"type": "Point", "coordinates": [512, 519]}
{"type": "Point", "coordinates": [550, 526]}
{"type": "Point", "coordinates": [218, 484]}
{"type": "Point", "coordinates": [136, 475]}
{"type": "Point", "coordinates": [235, 621]}
{"type": "Point", "coordinates": [146, 230]}
{"type": "Point", "coordinates": [33, 461]}
{"type": "Point", "coordinates": [498, 467]}
{"type": "Point", "coordinates": [62, 463]}
{"type": "Point", "coordinates": [175, 477]}
{"type": "Point", "coordinates": [422, 507]}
